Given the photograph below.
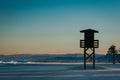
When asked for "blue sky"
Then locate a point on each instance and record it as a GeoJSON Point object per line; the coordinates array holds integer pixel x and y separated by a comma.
{"type": "Point", "coordinates": [52, 26]}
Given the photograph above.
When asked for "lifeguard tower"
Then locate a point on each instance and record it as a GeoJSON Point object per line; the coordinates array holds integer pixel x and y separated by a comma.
{"type": "Point", "coordinates": [89, 43]}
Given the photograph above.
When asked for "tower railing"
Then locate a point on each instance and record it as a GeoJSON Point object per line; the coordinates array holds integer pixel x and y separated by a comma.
{"type": "Point", "coordinates": [96, 43]}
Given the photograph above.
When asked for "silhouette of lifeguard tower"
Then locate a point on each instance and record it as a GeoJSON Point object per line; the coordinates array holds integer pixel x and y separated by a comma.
{"type": "Point", "coordinates": [89, 43]}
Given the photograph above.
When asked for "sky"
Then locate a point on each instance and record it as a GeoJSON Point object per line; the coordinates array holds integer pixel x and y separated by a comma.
{"type": "Point", "coordinates": [53, 26]}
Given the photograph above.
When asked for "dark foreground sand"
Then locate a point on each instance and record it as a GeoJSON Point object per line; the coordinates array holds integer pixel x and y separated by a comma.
{"type": "Point", "coordinates": [59, 72]}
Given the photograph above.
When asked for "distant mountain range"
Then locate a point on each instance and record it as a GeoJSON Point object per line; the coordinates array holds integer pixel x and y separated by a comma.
{"type": "Point", "coordinates": [76, 57]}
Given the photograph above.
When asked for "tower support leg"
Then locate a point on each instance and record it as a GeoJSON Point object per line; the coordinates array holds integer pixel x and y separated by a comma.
{"type": "Point", "coordinates": [84, 58]}
{"type": "Point", "coordinates": [93, 58]}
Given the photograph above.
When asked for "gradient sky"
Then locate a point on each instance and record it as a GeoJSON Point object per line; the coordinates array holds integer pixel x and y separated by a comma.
{"type": "Point", "coordinates": [52, 26]}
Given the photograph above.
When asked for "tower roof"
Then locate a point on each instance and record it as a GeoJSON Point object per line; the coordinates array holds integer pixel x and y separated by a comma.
{"type": "Point", "coordinates": [88, 31]}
